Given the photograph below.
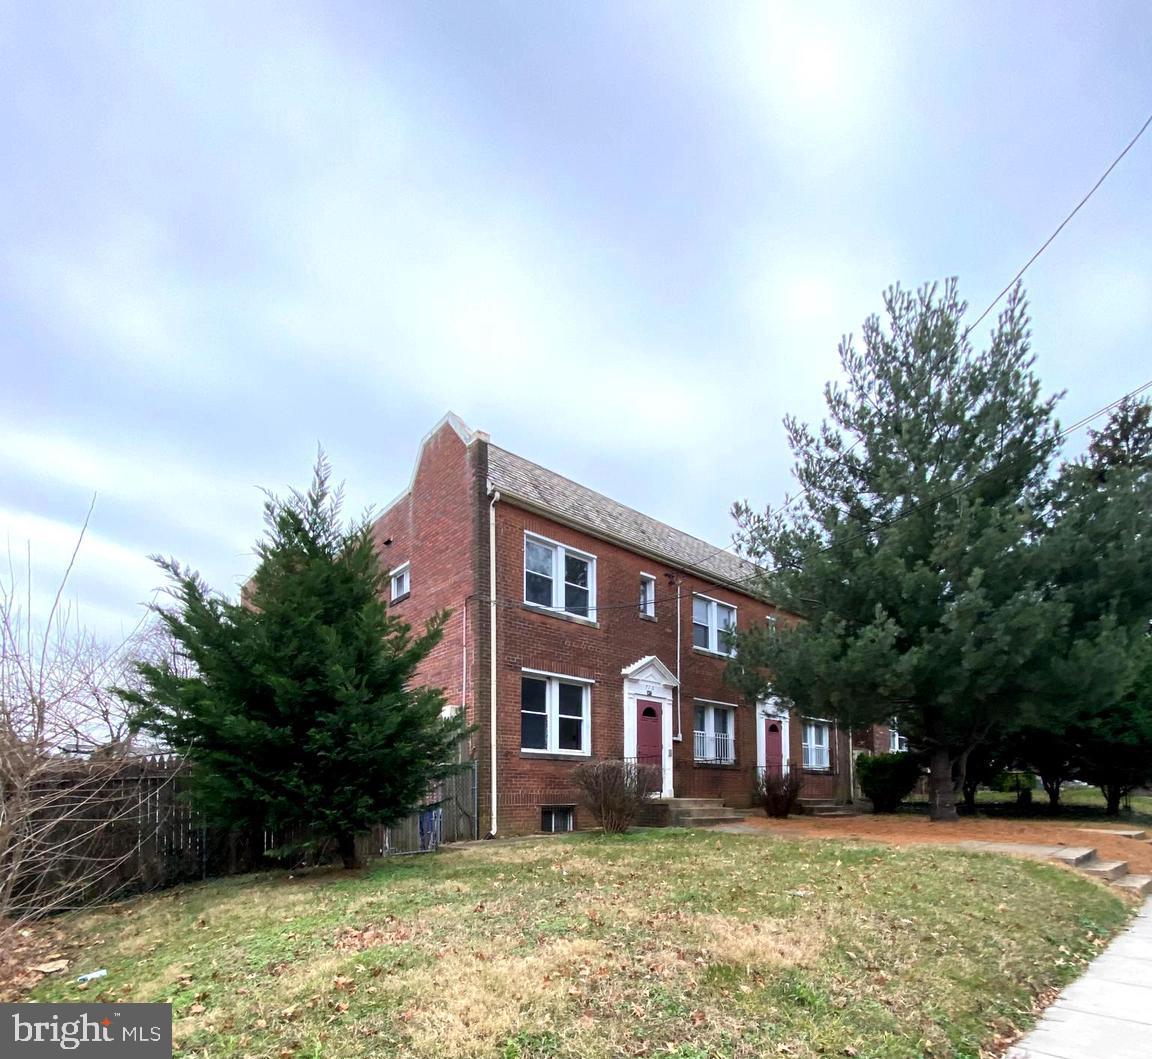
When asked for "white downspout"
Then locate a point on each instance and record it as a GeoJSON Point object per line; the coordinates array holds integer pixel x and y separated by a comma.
{"type": "Point", "coordinates": [492, 648]}
{"type": "Point", "coordinates": [679, 719]}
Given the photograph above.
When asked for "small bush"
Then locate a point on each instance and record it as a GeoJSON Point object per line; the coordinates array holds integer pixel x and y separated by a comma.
{"type": "Point", "coordinates": [777, 792]}
{"type": "Point", "coordinates": [615, 791]}
{"type": "Point", "coordinates": [1014, 782]}
{"type": "Point", "coordinates": [887, 779]}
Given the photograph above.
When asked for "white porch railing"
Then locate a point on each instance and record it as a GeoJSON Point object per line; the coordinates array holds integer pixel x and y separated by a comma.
{"type": "Point", "coordinates": [714, 747]}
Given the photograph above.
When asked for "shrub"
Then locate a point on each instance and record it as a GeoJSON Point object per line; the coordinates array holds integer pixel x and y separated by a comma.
{"type": "Point", "coordinates": [1014, 782]}
{"type": "Point", "coordinates": [777, 792]}
{"type": "Point", "coordinates": [615, 791]}
{"type": "Point", "coordinates": [887, 779]}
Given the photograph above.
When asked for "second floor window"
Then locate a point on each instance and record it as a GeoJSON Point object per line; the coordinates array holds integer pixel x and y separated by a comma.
{"type": "Point", "coordinates": [816, 745]}
{"type": "Point", "coordinates": [714, 734]}
{"type": "Point", "coordinates": [648, 595]}
{"type": "Point", "coordinates": [559, 577]}
{"type": "Point", "coordinates": [400, 582]}
{"type": "Point", "coordinates": [712, 621]}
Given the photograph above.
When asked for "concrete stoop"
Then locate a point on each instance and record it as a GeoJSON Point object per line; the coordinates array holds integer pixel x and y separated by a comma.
{"type": "Point", "coordinates": [700, 812]}
{"type": "Point", "coordinates": [824, 807]}
{"type": "Point", "coordinates": [1083, 859]}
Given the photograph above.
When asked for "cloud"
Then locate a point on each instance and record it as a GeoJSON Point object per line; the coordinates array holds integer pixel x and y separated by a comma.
{"type": "Point", "coordinates": [106, 588]}
{"type": "Point", "coordinates": [215, 502]}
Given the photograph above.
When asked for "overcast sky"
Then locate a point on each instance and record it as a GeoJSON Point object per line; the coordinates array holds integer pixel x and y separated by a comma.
{"type": "Point", "coordinates": [622, 237]}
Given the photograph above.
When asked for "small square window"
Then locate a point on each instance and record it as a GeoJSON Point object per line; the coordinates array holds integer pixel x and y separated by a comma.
{"type": "Point", "coordinates": [400, 584]}
{"type": "Point", "coordinates": [556, 818]}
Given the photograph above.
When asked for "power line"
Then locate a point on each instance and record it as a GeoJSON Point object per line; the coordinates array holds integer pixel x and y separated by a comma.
{"type": "Point", "coordinates": [961, 486]}
{"type": "Point", "coordinates": [1048, 242]}
{"type": "Point", "coordinates": [946, 494]}
{"type": "Point", "coordinates": [967, 331]}
{"type": "Point", "coordinates": [1015, 279]}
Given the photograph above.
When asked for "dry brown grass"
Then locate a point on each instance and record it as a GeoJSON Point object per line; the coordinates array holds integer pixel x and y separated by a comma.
{"type": "Point", "coordinates": [673, 944]}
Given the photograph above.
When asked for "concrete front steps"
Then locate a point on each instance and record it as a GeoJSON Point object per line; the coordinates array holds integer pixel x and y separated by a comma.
{"type": "Point", "coordinates": [700, 812]}
{"type": "Point", "coordinates": [1086, 860]}
{"type": "Point", "coordinates": [824, 807]}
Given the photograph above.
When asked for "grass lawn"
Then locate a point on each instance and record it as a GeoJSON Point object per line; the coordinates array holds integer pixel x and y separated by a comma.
{"type": "Point", "coordinates": [661, 943]}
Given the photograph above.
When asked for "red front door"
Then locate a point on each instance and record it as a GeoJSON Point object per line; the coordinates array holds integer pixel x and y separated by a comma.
{"type": "Point", "coordinates": [649, 732]}
{"type": "Point", "coordinates": [773, 747]}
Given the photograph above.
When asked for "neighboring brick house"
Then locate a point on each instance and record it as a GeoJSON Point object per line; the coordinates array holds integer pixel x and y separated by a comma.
{"type": "Point", "coordinates": [597, 631]}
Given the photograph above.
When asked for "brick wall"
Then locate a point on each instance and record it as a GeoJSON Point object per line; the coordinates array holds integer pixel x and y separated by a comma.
{"type": "Point", "coordinates": [434, 528]}
{"type": "Point", "coordinates": [598, 651]}
{"type": "Point", "coordinates": [441, 526]}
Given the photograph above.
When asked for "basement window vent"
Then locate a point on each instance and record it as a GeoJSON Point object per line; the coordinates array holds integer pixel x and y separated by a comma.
{"type": "Point", "coordinates": [556, 818]}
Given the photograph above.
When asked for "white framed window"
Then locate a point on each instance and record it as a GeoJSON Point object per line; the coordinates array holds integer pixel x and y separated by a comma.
{"type": "Point", "coordinates": [714, 733]}
{"type": "Point", "coordinates": [712, 621]}
{"type": "Point", "coordinates": [816, 745]}
{"type": "Point", "coordinates": [648, 595]}
{"type": "Point", "coordinates": [897, 743]}
{"type": "Point", "coordinates": [556, 818]}
{"type": "Point", "coordinates": [559, 577]}
{"type": "Point", "coordinates": [554, 715]}
{"type": "Point", "coordinates": [400, 581]}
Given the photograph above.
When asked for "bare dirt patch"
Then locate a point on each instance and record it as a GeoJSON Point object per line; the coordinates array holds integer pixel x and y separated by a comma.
{"type": "Point", "coordinates": [899, 830]}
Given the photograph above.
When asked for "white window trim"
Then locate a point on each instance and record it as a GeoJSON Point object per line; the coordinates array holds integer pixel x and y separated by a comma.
{"type": "Point", "coordinates": [806, 747]}
{"type": "Point", "coordinates": [713, 629]}
{"type": "Point", "coordinates": [405, 570]}
{"type": "Point", "coordinates": [559, 550]}
{"type": "Point", "coordinates": [709, 733]}
{"type": "Point", "coordinates": [648, 608]}
{"type": "Point", "coordinates": [552, 714]}
{"type": "Point", "coordinates": [897, 743]}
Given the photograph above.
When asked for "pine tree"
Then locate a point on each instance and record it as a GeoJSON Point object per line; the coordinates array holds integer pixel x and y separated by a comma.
{"type": "Point", "coordinates": [299, 706]}
{"type": "Point", "coordinates": [909, 558]}
{"type": "Point", "coordinates": [1097, 562]}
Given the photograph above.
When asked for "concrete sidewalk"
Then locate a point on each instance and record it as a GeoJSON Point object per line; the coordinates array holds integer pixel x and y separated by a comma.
{"type": "Point", "coordinates": [1107, 1012]}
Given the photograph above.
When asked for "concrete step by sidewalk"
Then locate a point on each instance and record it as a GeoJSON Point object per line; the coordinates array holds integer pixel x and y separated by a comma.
{"type": "Point", "coordinates": [1105, 869]}
{"type": "Point", "coordinates": [1139, 884]}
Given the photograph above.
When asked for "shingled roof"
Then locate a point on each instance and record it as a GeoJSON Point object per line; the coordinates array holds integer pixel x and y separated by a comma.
{"type": "Point", "coordinates": [518, 478]}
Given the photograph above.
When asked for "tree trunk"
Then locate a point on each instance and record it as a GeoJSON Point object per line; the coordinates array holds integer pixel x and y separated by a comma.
{"type": "Point", "coordinates": [1052, 789]}
{"type": "Point", "coordinates": [1113, 793]}
{"type": "Point", "coordinates": [346, 844]}
{"type": "Point", "coordinates": [941, 786]}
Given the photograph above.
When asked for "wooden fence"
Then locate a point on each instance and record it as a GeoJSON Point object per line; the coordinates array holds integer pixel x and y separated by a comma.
{"type": "Point", "coordinates": [106, 830]}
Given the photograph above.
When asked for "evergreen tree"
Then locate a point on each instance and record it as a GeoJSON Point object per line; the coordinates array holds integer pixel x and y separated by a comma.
{"type": "Point", "coordinates": [910, 557]}
{"type": "Point", "coordinates": [299, 707]}
{"type": "Point", "coordinates": [1097, 561]}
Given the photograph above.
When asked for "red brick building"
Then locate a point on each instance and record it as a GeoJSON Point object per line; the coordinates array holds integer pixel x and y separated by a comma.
{"type": "Point", "coordinates": [583, 629]}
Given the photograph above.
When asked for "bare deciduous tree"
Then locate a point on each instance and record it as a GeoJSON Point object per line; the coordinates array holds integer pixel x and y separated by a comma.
{"type": "Point", "coordinates": [64, 745]}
